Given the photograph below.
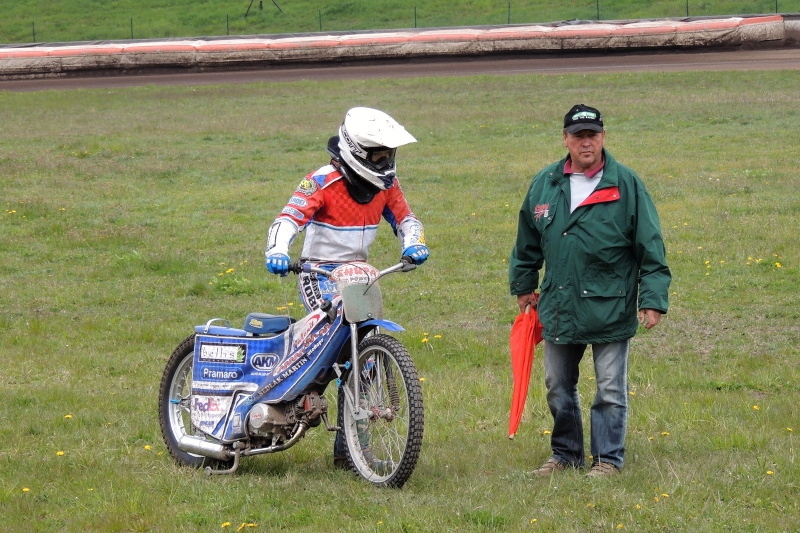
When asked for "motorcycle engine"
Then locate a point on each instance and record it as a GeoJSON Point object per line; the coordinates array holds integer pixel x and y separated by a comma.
{"type": "Point", "coordinates": [268, 420]}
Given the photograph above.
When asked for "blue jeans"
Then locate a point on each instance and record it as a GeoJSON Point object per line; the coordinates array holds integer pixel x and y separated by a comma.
{"type": "Point", "coordinates": [609, 413]}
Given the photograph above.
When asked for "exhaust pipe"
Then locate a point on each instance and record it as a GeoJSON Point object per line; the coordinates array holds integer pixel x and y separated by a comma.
{"type": "Point", "coordinates": [199, 446]}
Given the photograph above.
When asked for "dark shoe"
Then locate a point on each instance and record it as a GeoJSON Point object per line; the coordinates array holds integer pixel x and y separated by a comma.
{"type": "Point", "coordinates": [341, 462]}
{"type": "Point", "coordinates": [550, 467]}
{"type": "Point", "coordinates": [602, 470]}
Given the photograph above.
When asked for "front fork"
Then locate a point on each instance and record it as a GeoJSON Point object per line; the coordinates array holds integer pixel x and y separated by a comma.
{"type": "Point", "coordinates": [351, 399]}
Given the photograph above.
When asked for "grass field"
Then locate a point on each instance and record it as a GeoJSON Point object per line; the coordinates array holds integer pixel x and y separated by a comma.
{"type": "Point", "coordinates": [81, 20]}
{"type": "Point", "coordinates": [129, 215]}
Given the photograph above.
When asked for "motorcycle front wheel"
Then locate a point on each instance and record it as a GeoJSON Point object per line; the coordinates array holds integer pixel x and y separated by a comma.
{"type": "Point", "coordinates": [383, 446]}
{"type": "Point", "coordinates": [174, 406]}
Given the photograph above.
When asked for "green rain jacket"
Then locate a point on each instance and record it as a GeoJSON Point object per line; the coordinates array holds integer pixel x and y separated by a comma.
{"type": "Point", "coordinates": [604, 261]}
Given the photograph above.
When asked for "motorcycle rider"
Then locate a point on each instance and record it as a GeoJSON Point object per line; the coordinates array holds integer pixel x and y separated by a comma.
{"type": "Point", "coordinates": [340, 206]}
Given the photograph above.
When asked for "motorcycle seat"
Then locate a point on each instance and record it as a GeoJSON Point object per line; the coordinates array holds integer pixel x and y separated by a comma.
{"type": "Point", "coordinates": [267, 324]}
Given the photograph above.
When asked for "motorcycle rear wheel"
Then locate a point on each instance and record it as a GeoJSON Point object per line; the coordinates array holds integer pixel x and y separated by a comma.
{"type": "Point", "coordinates": [174, 408]}
{"type": "Point", "coordinates": [384, 447]}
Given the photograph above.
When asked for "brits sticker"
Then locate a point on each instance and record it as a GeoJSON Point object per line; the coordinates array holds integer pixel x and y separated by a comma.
{"type": "Point", "coordinates": [541, 210]}
{"type": "Point", "coordinates": [307, 187]}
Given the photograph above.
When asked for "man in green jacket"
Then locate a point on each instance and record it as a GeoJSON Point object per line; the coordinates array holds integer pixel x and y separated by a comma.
{"type": "Point", "coordinates": [591, 222]}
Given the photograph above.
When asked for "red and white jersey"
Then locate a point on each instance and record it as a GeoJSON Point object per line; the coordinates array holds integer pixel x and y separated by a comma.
{"type": "Point", "coordinates": [337, 227]}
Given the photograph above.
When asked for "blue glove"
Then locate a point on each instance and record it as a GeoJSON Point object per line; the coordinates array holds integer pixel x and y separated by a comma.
{"type": "Point", "coordinates": [418, 253]}
{"type": "Point", "coordinates": [278, 264]}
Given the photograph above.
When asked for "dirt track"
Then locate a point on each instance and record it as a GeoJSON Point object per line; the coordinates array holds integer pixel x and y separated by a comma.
{"type": "Point", "coordinates": [739, 59]}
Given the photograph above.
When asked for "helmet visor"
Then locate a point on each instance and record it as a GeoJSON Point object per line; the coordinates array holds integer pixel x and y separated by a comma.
{"type": "Point", "coordinates": [381, 157]}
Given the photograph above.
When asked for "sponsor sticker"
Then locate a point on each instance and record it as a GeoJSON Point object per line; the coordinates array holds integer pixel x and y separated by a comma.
{"type": "Point", "coordinates": [307, 186]}
{"type": "Point", "coordinates": [223, 353]}
{"type": "Point", "coordinates": [264, 362]}
{"type": "Point", "coordinates": [221, 374]}
{"type": "Point", "coordinates": [298, 201]}
{"type": "Point", "coordinates": [292, 212]}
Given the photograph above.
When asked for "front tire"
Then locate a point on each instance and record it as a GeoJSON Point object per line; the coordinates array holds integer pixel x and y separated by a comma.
{"type": "Point", "coordinates": [384, 447]}
{"type": "Point", "coordinates": [174, 405]}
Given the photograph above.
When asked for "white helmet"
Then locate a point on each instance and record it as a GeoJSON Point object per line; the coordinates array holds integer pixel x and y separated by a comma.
{"type": "Point", "coordinates": [368, 140]}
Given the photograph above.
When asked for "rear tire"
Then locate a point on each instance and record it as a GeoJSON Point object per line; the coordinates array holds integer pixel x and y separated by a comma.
{"type": "Point", "coordinates": [384, 447]}
{"type": "Point", "coordinates": [174, 406]}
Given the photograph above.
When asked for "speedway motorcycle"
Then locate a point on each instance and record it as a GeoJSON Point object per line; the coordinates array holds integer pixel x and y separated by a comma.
{"type": "Point", "coordinates": [230, 392]}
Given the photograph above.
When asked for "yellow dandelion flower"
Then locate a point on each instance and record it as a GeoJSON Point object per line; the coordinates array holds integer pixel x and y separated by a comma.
{"type": "Point", "coordinates": [620, 526]}
{"type": "Point", "coordinates": [380, 522]}
{"type": "Point", "coordinates": [534, 520]}
{"type": "Point", "coordinates": [778, 265]}
{"type": "Point", "coordinates": [67, 416]}
{"type": "Point", "coordinates": [770, 472]}
{"type": "Point", "coordinates": [422, 380]}
{"type": "Point", "coordinates": [789, 429]}
{"type": "Point", "coordinates": [229, 271]}
{"type": "Point", "coordinates": [25, 489]}
{"type": "Point", "coordinates": [437, 336]}
{"type": "Point", "coordinates": [59, 453]}
{"type": "Point", "coordinates": [425, 339]}
{"type": "Point", "coordinates": [650, 438]}
{"type": "Point", "coordinates": [546, 432]}
{"type": "Point", "coordinates": [665, 433]}
{"type": "Point", "coordinates": [638, 506]}
{"type": "Point", "coordinates": [148, 447]}
{"type": "Point", "coordinates": [756, 408]}
{"type": "Point", "coordinates": [665, 495]}
{"type": "Point", "coordinates": [655, 499]}
{"type": "Point", "coordinates": [632, 393]}
{"type": "Point", "coordinates": [225, 524]}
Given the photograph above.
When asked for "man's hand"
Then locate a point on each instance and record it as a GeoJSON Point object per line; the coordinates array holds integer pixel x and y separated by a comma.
{"type": "Point", "coordinates": [649, 318]}
{"type": "Point", "coordinates": [524, 300]}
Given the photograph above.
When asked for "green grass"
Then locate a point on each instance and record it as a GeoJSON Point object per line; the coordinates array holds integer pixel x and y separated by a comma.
{"type": "Point", "coordinates": [80, 20]}
{"type": "Point", "coordinates": [123, 211]}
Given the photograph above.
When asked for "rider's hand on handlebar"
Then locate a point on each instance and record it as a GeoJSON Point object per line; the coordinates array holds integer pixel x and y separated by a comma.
{"type": "Point", "coordinates": [278, 264]}
{"type": "Point", "coordinates": [418, 253]}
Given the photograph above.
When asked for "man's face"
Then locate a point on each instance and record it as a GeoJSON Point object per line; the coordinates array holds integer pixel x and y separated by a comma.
{"type": "Point", "coordinates": [585, 148]}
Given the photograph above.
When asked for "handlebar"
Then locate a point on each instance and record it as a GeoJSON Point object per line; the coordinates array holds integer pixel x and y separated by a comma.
{"type": "Point", "coordinates": [406, 264]}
